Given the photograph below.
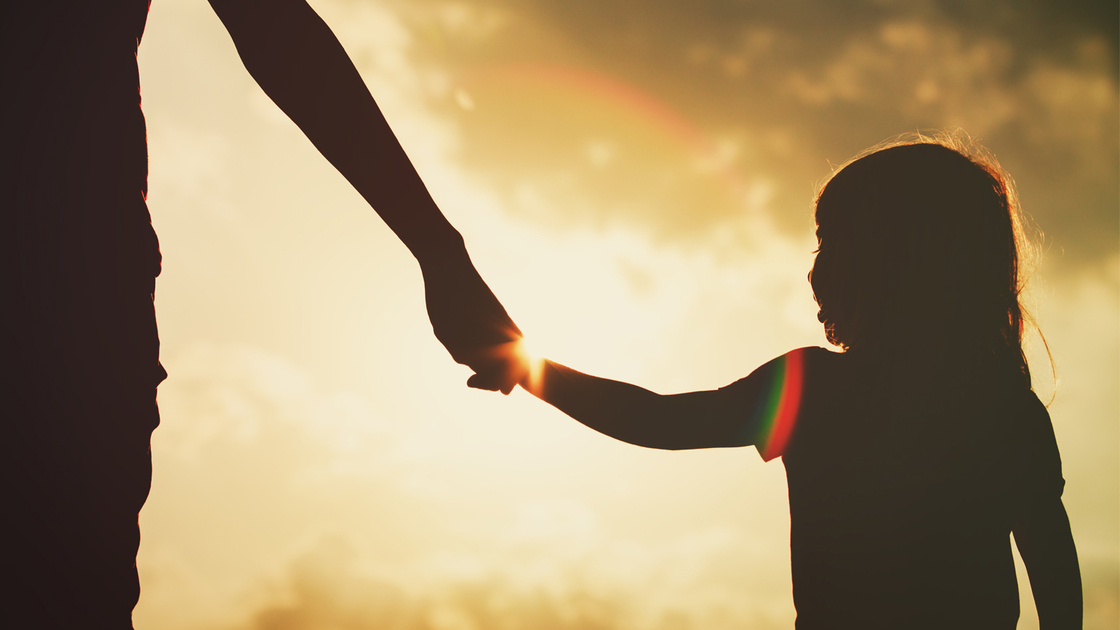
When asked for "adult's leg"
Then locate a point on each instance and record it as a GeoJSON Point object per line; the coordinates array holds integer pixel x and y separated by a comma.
{"type": "Point", "coordinates": [80, 369]}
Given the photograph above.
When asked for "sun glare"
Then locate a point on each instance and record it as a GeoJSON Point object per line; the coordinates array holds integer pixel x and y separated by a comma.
{"type": "Point", "coordinates": [534, 364]}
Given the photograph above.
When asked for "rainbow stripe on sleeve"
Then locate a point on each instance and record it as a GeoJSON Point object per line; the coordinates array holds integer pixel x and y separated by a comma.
{"type": "Point", "coordinates": [775, 417]}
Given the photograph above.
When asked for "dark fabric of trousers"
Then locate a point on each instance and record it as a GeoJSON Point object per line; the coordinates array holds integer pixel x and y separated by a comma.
{"type": "Point", "coordinates": [79, 401]}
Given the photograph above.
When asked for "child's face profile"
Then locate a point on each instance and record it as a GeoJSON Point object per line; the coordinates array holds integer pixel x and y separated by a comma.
{"type": "Point", "coordinates": [821, 278]}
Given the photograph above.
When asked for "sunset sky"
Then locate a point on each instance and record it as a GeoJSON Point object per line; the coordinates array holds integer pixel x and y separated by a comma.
{"type": "Point", "coordinates": [634, 180]}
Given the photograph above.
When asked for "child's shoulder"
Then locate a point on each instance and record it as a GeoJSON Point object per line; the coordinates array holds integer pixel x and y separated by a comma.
{"type": "Point", "coordinates": [775, 393]}
{"type": "Point", "coordinates": [806, 357]}
{"type": "Point", "coordinates": [810, 363]}
{"type": "Point", "coordinates": [790, 367]}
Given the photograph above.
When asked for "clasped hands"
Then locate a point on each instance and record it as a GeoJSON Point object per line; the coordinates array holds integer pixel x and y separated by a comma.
{"type": "Point", "coordinates": [472, 324]}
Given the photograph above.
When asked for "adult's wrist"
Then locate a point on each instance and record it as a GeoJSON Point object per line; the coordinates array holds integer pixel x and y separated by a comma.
{"type": "Point", "coordinates": [440, 249]}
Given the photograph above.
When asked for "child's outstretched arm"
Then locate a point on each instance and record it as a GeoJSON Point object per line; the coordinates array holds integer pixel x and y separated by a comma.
{"type": "Point", "coordinates": [1046, 544]}
{"type": "Point", "coordinates": [704, 419]}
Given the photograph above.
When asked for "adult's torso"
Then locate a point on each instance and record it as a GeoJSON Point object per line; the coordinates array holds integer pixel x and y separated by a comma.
{"type": "Point", "coordinates": [74, 162]}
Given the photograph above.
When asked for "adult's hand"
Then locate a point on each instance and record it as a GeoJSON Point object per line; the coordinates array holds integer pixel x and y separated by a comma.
{"type": "Point", "coordinates": [471, 323]}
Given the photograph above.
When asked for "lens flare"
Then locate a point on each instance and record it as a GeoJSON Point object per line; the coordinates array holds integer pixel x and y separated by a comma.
{"type": "Point", "coordinates": [532, 363]}
{"type": "Point", "coordinates": [775, 417]}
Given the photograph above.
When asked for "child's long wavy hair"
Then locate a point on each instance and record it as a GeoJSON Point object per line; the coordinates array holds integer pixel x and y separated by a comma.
{"type": "Point", "coordinates": [920, 242]}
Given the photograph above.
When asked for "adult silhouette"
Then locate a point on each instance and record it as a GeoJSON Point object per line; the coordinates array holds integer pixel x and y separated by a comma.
{"type": "Point", "coordinates": [912, 455]}
{"type": "Point", "coordinates": [79, 258]}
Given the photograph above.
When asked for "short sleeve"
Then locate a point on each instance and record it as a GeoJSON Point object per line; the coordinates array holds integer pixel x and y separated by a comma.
{"type": "Point", "coordinates": [772, 400]}
{"type": "Point", "coordinates": [1042, 464]}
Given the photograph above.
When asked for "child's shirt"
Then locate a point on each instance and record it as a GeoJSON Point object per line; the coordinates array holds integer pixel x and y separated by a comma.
{"type": "Point", "coordinates": [905, 481]}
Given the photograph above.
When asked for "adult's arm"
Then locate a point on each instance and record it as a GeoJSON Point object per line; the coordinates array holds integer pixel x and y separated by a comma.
{"type": "Point", "coordinates": [1045, 543]}
{"type": "Point", "coordinates": [293, 55]}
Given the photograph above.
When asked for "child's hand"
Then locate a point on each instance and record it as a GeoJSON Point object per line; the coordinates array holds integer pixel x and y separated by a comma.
{"type": "Point", "coordinates": [508, 366]}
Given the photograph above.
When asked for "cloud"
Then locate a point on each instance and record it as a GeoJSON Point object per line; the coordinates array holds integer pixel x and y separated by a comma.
{"type": "Point", "coordinates": [792, 87]}
{"type": "Point", "coordinates": [237, 394]}
{"type": "Point", "coordinates": [1101, 585]}
{"type": "Point", "coordinates": [331, 585]}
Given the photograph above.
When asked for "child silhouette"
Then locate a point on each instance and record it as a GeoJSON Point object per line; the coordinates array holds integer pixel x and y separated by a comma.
{"type": "Point", "coordinates": [913, 453]}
